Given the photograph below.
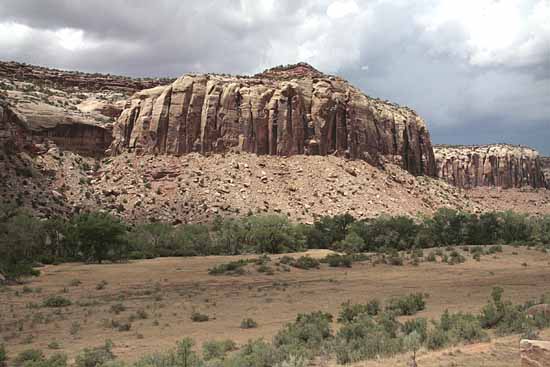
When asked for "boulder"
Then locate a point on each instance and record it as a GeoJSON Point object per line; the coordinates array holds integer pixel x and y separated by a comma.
{"type": "Point", "coordinates": [534, 353]}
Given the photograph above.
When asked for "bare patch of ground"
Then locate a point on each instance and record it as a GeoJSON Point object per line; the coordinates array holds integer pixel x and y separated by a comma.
{"type": "Point", "coordinates": [169, 290]}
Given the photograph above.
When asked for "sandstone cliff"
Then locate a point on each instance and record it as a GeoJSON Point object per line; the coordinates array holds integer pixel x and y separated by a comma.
{"type": "Point", "coordinates": [545, 161]}
{"type": "Point", "coordinates": [284, 111]}
{"type": "Point", "coordinates": [499, 165]}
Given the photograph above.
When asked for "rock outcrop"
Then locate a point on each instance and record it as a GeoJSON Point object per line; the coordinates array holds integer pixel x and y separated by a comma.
{"type": "Point", "coordinates": [499, 165]}
{"type": "Point", "coordinates": [46, 77]}
{"type": "Point", "coordinates": [545, 161]}
{"type": "Point", "coordinates": [41, 123]}
{"type": "Point", "coordinates": [534, 353]}
{"type": "Point", "coordinates": [283, 111]}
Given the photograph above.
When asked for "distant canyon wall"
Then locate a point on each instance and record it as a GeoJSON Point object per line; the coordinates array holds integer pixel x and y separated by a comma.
{"type": "Point", "coordinates": [283, 111]}
{"type": "Point", "coordinates": [499, 165]}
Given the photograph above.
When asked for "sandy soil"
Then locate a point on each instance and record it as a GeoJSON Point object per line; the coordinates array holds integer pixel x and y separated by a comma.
{"type": "Point", "coordinates": [170, 289]}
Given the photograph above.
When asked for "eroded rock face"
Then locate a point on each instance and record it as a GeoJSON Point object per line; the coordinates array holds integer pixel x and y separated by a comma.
{"type": "Point", "coordinates": [499, 165]}
{"type": "Point", "coordinates": [22, 128]}
{"type": "Point", "coordinates": [283, 111]}
{"type": "Point", "coordinates": [545, 161]}
{"type": "Point", "coordinates": [534, 353]}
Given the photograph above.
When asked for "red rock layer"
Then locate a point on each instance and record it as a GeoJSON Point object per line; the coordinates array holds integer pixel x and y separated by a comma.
{"type": "Point", "coordinates": [301, 112]}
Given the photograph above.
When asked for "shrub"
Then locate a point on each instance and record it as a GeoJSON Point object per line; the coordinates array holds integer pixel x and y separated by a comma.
{"type": "Point", "coordinates": [335, 260]}
{"type": "Point", "coordinates": [393, 258]}
{"type": "Point", "coordinates": [431, 257]}
{"type": "Point", "coordinates": [419, 325]}
{"type": "Point", "coordinates": [95, 357]}
{"type": "Point", "coordinates": [29, 355]}
{"type": "Point", "coordinates": [366, 338]}
{"type": "Point", "coordinates": [255, 353]}
{"type": "Point", "coordinates": [75, 328]}
{"type": "Point", "coordinates": [266, 269]}
{"type": "Point", "coordinates": [75, 283]}
{"type": "Point", "coordinates": [437, 339]}
{"type": "Point", "coordinates": [287, 260]}
{"type": "Point", "coordinates": [305, 336]}
{"type": "Point", "coordinates": [101, 285]}
{"type": "Point", "coordinates": [54, 345]}
{"type": "Point", "coordinates": [142, 314]}
{"type": "Point", "coordinates": [35, 358]}
{"type": "Point", "coordinates": [56, 301]}
{"type": "Point", "coordinates": [248, 323]}
{"type": "Point", "coordinates": [117, 308]}
{"type": "Point", "coordinates": [350, 312]}
{"type": "Point", "coordinates": [306, 262]}
{"type": "Point", "coordinates": [3, 355]}
{"type": "Point", "coordinates": [199, 317]}
{"type": "Point", "coordinates": [230, 268]}
{"type": "Point", "coordinates": [462, 327]}
{"type": "Point", "coordinates": [217, 349]}
{"type": "Point", "coordinates": [373, 307]}
{"type": "Point", "coordinates": [494, 249]}
{"type": "Point", "coordinates": [407, 305]}
{"type": "Point", "coordinates": [455, 258]}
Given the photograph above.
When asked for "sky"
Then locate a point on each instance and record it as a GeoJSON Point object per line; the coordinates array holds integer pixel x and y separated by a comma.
{"type": "Point", "coordinates": [478, 71]}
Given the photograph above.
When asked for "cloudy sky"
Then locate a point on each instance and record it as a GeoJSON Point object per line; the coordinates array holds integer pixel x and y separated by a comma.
{"type": "Point", "coordinates": [477, 70]}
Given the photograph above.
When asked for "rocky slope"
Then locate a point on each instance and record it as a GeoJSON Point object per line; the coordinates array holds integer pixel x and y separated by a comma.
{"type": "Point", "coordinates": [290, 140]}
{"type": "Point", "coordinates": [284, 111]}
{"type": "Point", "coordinates": [499, 165]}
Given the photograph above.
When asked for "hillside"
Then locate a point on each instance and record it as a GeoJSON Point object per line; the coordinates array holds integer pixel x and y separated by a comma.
{"type": "Point", "coordinates": [290, 140]}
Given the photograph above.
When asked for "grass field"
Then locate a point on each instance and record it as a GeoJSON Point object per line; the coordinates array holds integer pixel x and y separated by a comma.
{"type": "Point", "coordinates": [156, 298]}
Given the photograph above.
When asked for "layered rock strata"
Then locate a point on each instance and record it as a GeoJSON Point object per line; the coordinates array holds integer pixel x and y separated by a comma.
{"type": "Point", "coordinates": [24, 129]}
{"type": "Point", "coordinates": [47, 77]}
{"type": "Point", "coordinates": [499, 165]}
{"type": "Point", "coordinates": [283, 111]}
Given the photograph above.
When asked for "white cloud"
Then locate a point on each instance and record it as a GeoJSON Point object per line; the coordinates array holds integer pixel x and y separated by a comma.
{"type": "Point", "coordinates": [73, 39]}
{"type": "Point", "coordinates": [342, 8]}
{"type": "Point", "coordinates": [505, 32]}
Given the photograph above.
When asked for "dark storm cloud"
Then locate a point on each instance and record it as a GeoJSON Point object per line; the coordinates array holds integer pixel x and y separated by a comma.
{"type": "Point", "coordinates": [479, 72]}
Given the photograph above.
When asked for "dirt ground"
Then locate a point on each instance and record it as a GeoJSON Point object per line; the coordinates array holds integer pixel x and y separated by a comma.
{"type": "Point", "coordinates": [170, 289]}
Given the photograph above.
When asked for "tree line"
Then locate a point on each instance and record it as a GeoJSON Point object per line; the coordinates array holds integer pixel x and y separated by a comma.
{"type": "Point", "coordinates": [26, 241]}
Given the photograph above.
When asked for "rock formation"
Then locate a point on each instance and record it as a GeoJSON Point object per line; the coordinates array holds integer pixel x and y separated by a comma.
{"type": "Point", "coordinates": [22, 128]}
{"type": "Point", "coordinates": [499, 165]}
{"type": "Point", "coordinates": [74, 79]}
{"type": "Point", "coordinates": [534, 353]}
{"type": "Point", "coordinates": [283, 111]}
{"type": "Point", "coordinates": [545, 161]}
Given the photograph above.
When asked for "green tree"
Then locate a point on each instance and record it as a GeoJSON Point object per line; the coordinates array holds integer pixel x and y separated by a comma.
{"type": "Point", "coordinates": [99, 236]}
{"type": "Point", "coordinates": [21, 240]}
{"type": "Point", "coordinates": [270, 233]}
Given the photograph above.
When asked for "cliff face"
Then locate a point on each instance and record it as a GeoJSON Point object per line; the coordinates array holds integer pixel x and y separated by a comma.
{"type": "Point", "coordinates": [490, 165]}
{"type": "Point", "coordinates": [19, 132]}
{"type": "Point", "coordinates": [283, 111]}
{"type": "Point", "coordinates": [545, 161]}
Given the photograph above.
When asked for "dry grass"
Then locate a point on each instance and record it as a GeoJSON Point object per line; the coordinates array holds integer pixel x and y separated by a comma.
{"type": "Point", "coordinates": [169, 290]}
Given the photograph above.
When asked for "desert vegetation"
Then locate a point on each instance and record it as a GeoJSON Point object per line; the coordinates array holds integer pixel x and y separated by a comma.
{"type": "Point", "coordinates": [361, 332]}
{"type": "Point", "coordinates": [26, 241]}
